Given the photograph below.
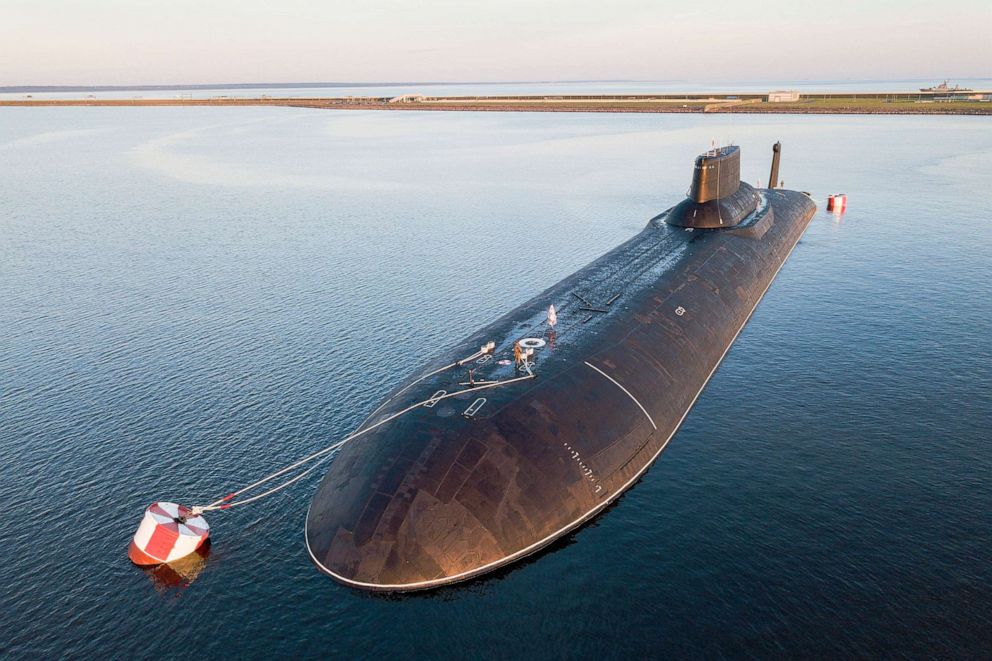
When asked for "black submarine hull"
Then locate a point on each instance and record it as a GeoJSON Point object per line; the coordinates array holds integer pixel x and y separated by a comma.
{"type": "Point", "coordinates": [445, 493]}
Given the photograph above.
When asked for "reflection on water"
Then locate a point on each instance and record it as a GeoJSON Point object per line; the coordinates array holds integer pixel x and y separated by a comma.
{"type": "Point", "coordinates": [174, 577]}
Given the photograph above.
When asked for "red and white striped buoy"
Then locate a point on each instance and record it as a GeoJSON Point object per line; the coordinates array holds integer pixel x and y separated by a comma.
{"type": "Point", "coordinates": [836, 202]}
{"type": "Point", "coordinates": [168, 532]}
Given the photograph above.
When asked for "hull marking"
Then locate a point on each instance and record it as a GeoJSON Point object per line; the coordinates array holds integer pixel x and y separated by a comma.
{"type": "Point", "coordinates": [617, 384]}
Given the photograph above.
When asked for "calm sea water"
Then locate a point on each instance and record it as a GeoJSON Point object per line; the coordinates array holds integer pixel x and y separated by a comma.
{"type": "Point", "coordinates": [191, 297]}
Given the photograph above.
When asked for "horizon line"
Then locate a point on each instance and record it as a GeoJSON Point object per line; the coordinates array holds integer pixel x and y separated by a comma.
{"type": "Point", "coordinates": [303, 85]}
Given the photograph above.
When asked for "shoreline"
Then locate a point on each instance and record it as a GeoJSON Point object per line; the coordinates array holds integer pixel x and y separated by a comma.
{"type": "Point", "coordinates": [812, 104]}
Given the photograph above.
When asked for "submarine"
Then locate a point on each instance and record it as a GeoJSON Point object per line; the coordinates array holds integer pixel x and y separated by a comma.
{"type": "Point", "coordinates": [534, 424]}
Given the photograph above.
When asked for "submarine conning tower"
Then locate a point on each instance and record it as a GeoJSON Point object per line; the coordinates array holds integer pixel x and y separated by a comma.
{"type": "Point", "coordinates": [717, 197]}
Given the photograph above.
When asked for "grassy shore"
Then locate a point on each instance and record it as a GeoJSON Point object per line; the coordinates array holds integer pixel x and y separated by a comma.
{"type": "Point", "coordinates": [837, 104]}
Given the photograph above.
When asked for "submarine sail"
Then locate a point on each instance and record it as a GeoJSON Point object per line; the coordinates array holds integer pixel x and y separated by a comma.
{"type": "Point", "coordinates": [487, 459]}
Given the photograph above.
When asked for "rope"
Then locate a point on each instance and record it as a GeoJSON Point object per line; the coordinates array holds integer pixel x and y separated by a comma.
{"type": "Point", "coordinates": [224, 503]}
{"type": "Point", "coordinates": [270, 491]}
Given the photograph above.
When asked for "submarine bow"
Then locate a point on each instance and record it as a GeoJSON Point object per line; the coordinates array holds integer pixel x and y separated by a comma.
{"type": "Point", "coordinates": [483, 462]}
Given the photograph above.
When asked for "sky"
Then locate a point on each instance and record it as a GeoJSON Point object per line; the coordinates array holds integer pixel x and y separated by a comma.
{"type": "Point", "coordinates": [122, 42]}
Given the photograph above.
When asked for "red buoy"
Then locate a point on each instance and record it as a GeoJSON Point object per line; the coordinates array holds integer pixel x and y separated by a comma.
{"type": "Point", "coordinates": [168, 532]}
{"type": "Point", "coordinates": [836, 202]}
